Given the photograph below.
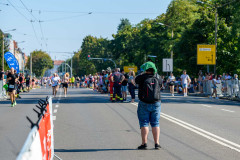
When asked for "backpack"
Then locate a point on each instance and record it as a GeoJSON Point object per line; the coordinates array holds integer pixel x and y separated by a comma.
{"type": "Point", "coordinates": [151, 89]}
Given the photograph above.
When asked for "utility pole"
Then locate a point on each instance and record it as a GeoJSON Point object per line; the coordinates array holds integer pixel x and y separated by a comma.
{"type": "Point", "coordinates": [65, 67]}
{"type": "Point", "coordinates": [30, 65]}
{"type": "Point", "coordinates": [71, 66]}
{"type": "Point", "coordinates": [3, 51]}
{"type": "Point", "coordinates": [172, 46]}
{"type": "Point", "coordinates": [216, 30]}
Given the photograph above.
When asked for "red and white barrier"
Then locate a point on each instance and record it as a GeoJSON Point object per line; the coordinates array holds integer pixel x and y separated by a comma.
{"type": "Point", "coordinates": [39, 144]}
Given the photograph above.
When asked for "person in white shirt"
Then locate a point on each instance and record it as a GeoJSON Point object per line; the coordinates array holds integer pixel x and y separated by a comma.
{"type": "Point", "coordinates": [55, 80]}
{"type": "Point", "coordinates": [214, 86]}
{"type": "Point", "coordinates": [185, 79]}
{"type": "Point", "coordinates": [171, 82]}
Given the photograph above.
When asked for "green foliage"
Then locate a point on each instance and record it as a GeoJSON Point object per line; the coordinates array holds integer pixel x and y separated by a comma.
{"type": "Point", "coordinates": [124, 23]}
{"type": "Point", "coordinates": [41, 61]}
{"type": "Point", "coordinates": [192, 23]}
{"type": "Point", "coordinates": [1, 50]}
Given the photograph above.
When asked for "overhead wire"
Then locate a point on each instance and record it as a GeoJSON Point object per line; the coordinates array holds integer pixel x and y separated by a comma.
{"type": "Point", "coordinates": [75, 12]}
{"type": "Point", "coordinates": [18, 11]}
{"type": "Point", "coordinates": [39, 22]}
{"type": "Point", "coordinates": [27, 20]}
{"type": "Point", "coordinates": [63, 18]}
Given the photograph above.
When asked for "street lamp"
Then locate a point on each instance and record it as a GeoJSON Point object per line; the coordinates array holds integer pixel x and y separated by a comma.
{"type": "Point", "coordinates": [171, 36]}
{"type": "Point", "coordinates": [3, 47]}
{"type": "Point", "coordinates": [216, 24]}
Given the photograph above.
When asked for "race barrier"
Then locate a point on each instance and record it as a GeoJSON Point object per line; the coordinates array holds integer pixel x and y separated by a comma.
{"type": "Point", "coordinates": [2, 90]}
{"type": "Point", "coordinates": [225, 88]}
{"type": "Point", "coordinates": [39, 144]}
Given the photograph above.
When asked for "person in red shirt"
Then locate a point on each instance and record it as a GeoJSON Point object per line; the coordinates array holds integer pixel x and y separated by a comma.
{"type": "Point", "coordinates": [111, 86]}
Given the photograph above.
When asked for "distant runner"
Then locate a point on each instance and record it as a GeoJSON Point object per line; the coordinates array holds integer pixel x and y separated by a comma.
{"type": "Point", "coordinates": [11, 79]}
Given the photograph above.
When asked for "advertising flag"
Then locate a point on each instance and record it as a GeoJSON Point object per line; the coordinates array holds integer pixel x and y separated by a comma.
{"type": "Point", "coordinates": [11, 61]}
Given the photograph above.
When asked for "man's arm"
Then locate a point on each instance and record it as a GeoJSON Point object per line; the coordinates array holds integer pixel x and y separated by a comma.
{"type": "Point", "coordinates": [112, 78]}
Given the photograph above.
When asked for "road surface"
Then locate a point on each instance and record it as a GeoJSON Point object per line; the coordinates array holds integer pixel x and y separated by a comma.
{"type": "Point", "coordinates": [88, 126]}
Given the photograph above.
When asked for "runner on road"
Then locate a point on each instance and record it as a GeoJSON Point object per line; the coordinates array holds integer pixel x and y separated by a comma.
{"type": "Point", "coordinates": [185, 79]}
{"type": "Point", "coordinates": [55, 80]}
{"type": "Point", "coordinates": [11, 80]}
{"type": "Point", "coordinates": [28, 83]}
{"type": "Point", "coordinates": [171, 82]}
{"type": "Point", "coordinates": [65, 83]}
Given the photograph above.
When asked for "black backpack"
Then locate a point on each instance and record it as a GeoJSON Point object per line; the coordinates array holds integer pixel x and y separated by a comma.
{"type": "Point", "coordinates": [151, 89]}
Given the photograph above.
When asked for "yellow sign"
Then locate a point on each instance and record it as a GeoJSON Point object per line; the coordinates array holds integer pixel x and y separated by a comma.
{"type": "Point", "coordinates": [130, 68]}
{"type": "Point", "coordinates": [206, 54]}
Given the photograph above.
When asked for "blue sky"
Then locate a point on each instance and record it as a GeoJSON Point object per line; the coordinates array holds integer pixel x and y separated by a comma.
{"type": "Point", "coordinates": [66, 22]}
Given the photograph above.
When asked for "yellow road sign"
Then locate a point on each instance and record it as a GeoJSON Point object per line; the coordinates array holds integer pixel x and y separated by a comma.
{"type": "Point", "coordinates": [130, 68]}
{"type": "Point", "coordinates": [206, 54]}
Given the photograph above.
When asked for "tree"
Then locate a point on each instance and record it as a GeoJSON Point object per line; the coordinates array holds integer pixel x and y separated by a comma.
{"type": "Point", "coordinates": [124, 23]}
{"type": "Point", "coordinates": [5, 50]}
{"type": "Point", "coordinates": [41, 61]}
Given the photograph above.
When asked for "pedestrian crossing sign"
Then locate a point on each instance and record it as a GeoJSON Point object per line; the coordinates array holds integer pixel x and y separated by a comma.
{"type": "Point", "coordinates": [206, 54]}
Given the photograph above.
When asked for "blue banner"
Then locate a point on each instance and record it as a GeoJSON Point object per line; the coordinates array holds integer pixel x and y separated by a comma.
{"type": "Point", "coordinates": [11, 61]}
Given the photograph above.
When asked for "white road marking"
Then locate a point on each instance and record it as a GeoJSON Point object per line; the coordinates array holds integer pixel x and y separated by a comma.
{"type": "Point", "coordinates": [206, 134]}
{"type": "Point", "coordinates": [57, 106]}
{"type": "Point", "coordinates": [227, 110]}
{"type": "Point", "coordinates": [201, 132]}
{"type": "Point", "coordinates": [54, 118]}
{"type": "Point", "coordinates": [207, 106]}
{"type": "Point", "coordinates": [55, 111]}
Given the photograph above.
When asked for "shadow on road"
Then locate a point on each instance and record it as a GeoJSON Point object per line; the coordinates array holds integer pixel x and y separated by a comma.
{"type": "Point", "coordinates": [90, 150]}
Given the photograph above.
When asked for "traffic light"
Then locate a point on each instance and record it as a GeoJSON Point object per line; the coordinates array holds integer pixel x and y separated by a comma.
{"type": "Point", "coordinates": [89, 57]}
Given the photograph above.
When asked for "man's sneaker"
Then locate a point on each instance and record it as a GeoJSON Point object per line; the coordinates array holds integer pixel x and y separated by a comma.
{"type": "Point", "coordinates": [15, 103]}
{"type": "Point", "coordinates": [157, 146]}
{"type": "Point", "coordinates": [143, 146]}
{"type": "Point", "coordinates": [12, 105]}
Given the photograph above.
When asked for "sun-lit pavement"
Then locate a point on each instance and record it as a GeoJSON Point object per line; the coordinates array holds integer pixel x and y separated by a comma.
{"type": "Point", "coordinates": [88, 126]}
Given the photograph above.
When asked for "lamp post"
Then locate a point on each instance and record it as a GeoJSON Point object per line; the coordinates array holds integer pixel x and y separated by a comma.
{"type": "Point", "coordinates": [171, 37]}
{"type": "Point", "coordinates": [216, 25]}
{"type": "Point", "coordinates": [3, 47]}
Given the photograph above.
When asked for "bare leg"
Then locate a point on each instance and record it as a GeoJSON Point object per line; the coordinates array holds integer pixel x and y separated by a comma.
{"type": "Point", "coordinates": [144, 134]}
{"type": "Point", "coordinates": [11, 96]}
{"type": "Point", "coordinates": [156, 134]}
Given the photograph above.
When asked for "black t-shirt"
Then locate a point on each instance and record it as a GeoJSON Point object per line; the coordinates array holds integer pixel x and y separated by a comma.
{"type": "Point", "coordinates": [117, 76]}
{"type": "Point", "coordinates": [1, 74]}
{"type": "Point", "coordinates": [140, 81]}
{"type": "Point", "coordinates": [27, 80]}
{"type": "Point", "coordinates": [125, 81]}
{"type": "Point", "coordinates": [12, 81]}
{"type": "Point", "coordinates": [20, 78]}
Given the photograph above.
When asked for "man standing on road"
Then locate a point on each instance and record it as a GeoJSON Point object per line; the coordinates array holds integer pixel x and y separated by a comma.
{"type": "Point", "coordinates": [117, 79]}
{"type": "Point", "coordinates": [11, 80]}
{"type": "Point", "coordinates": [185, 79]}
{"type": "Point", "coordinates": [149, 106]}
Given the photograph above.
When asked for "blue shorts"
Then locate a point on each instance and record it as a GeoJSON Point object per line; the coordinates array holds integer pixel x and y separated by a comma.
{"type": "Point", "coordinates": [124, 88]}
{"type": "Point", "coordinates": [149, 113]}
{"type": "Point", "coordinates": [185, 85]}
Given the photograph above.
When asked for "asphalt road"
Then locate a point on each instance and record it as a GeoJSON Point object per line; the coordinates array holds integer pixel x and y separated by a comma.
{"type": "Point", "coordinates": [88, 126]}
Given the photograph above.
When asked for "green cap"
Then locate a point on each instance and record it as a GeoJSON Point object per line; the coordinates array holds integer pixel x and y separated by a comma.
{"type": "Point", "coordinates": [148, 65]}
